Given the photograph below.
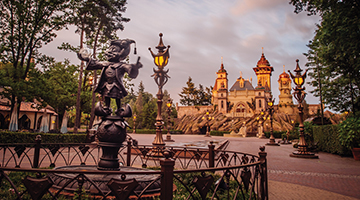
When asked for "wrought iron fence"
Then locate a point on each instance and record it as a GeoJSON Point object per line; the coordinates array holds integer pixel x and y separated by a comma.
{"type": "Point", "coordinates": [179, 173]}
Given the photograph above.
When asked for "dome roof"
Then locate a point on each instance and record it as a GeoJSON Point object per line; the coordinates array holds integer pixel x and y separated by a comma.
{"type": "Point", "coordinates": [284, 75]}
{"type": "Point", "coordinates": [263, 61]}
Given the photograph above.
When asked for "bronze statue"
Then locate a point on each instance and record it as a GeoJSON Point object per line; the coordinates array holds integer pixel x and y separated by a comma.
{"type": "Point", "coordinates": [111, 79]}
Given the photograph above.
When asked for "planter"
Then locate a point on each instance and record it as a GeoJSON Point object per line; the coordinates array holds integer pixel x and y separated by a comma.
{"type": "Point", "coordinates": [356, 153]}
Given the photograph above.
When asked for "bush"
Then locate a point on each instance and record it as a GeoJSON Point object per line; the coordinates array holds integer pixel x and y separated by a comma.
{"type": "Point", "coordinates": [219, 133]}
{"type": "Point", "coordinates": [349, 133]}
{"type": "Point", "coordinates": [26, 137]}
{"type": "Point", "coordinates": [327, 139]}
{"type": "Point", "coordinates": [277, 134]}
{"type": "Point", "coordinates": [153, 131]}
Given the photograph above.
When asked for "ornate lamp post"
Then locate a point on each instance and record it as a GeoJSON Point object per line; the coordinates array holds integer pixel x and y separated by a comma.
{"type": "Point", "coordinates": [270, 103]}
{"type": "Point", "coordinates": [168, 136]}
{"type": "Point", "coordinates": [208, 118]}
{"type": "Point", "coordinates": [161, 60]}
{"type": "Point", "coordinates": [261, 124]}
{"type": "Point", "coordinates": [134, 119]}
{"type": "Point", "coordinates": [299, 95]}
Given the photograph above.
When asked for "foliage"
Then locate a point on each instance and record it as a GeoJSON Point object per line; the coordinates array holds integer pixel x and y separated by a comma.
{"type": "Point", "coordinates": [26, 137]}
{"type": "Point", "coordinates": [349, 132]}
{"type": "Point", "coordinates": [187, 178]}
{"type": "Point", "coordinates": [25, 27]}
{"type": "Point", "coordinates": [153, 131]}
{"type": "Point", "coordinates": [277, 134]}
{"type": "Point", "coordinates": [327, 139]}
{"type": "Point", "coordinates": [334, 52]}
{"type": "Point", "coordinates": [192, 96]}
{"type": "Point", "coordinates": [219, 133]}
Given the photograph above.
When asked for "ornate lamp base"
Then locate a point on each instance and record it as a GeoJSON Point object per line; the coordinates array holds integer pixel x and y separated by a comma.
{"type": "Point", "coordinates": [272, 144]}
{"type": "Point", "coordinates": [309, 155]}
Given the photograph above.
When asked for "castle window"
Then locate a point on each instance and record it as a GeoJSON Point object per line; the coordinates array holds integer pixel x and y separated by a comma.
{"type": "Point", "coordinates": [259, 93]}
{"type": "Point", "coordinates": [240, 108]}
{"type": "Point", "coordinates": [222, 103]}
{"type": "Point", "coordinates": [221, 95]}
{"type": "Point", "coordinates": [259, 103]}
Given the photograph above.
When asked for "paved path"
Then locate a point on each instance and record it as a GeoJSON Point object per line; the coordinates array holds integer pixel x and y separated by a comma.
{"type": "Point", "coordinates": [329, 177]}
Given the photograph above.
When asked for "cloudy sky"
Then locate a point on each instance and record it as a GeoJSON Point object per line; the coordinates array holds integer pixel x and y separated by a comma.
{"type": "Point", "coordinates": [200, 32]}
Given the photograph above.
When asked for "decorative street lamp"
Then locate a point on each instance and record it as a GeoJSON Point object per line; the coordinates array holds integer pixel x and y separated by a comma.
{"type": "Point", "coordinates": [161, 60]}
{"type": "Point", "coordinates": [299, 95]}
{"type": "Point", "coordinates": [134, 119]}
{"type": "Point", "coordinates": [208, 118]}
{"type": "Point", "coordinates": [168, 136]}
{"type": "Point", "coordinates": [270, 103]}
{"type": "Point", "coordinates": [261, 124]}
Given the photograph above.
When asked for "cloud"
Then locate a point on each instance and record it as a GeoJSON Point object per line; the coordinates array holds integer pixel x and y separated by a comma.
{"type": "Point", "coordinates": [200, 32]}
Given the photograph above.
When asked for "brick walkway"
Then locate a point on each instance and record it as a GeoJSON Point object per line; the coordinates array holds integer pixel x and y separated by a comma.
{"type": "Point", "coordinates": [329, 177]}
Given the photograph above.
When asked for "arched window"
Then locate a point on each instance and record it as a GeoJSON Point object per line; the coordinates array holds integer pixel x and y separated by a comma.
{"type": "Point", "coordinates": [222, 103]}
{"type": "Point", "coordinates": [24, 122]}
{"type": "Point", "coordinates": [259, 103]}
{"type": "Point", "coordinates": [240, 108]}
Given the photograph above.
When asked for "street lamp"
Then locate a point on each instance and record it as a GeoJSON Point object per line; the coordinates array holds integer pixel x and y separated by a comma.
{"type": "Point", "coordinates": [299, 95]}
{"type": "Point", "coordinates": [168, 136]}
{"type": "Point", "coordinates": [260, 125]}
{"type": "Point", "coordinates": [208, 118]}
{"type": "Point", "coordinates": [134, 119]}
{"type": "Point", "coordinates": [161, 59]}
{"type": "Point", "coordinates": [270, 103]}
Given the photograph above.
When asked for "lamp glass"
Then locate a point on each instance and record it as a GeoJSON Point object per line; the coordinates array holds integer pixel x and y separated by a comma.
{"type": "Point", "coordinates": [270, 103]}
{"type": "Point", "coordinates": [299, 81]}
{"type": "Point", "coordinates": [168, 105]}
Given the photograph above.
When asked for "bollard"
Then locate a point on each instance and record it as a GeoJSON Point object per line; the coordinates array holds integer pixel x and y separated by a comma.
{"type": "Point", "coordinates": [211, 154]}
{"type": "Point", "coordinates": [167, 174]}
{"type": "Point", "coordinates": [128, 154]}
{"type": "Point", "coordinates": [37, 151]}
{"type": "Point", "coordinates": [263, 174]}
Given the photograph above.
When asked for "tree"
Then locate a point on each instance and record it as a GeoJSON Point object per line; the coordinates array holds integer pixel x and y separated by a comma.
{"type": "Point", "coordinates": [25, 26]}
{"type": "Point", "coordinates": [190, 95]}
{"type": "Point", "coordinates": [334, 52]}
{"type": "Point", "coordinates": [60, 79]}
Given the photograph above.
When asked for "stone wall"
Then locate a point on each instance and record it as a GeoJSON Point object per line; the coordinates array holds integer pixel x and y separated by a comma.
{"type": "Point", "coordinates": [192, 110]}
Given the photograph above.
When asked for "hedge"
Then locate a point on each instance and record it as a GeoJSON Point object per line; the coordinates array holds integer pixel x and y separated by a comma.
{"type": "Point", "coordinates": [153, 131]}
{"type": "Point", "coordinates": [326, 138]}
{"type": "Point", "coordinates": [219, 133]}
{"type": "Point", "coordinates": [27, 137]}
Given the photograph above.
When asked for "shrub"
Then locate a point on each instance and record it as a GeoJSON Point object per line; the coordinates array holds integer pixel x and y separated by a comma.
{"type": "Point", "coordinates": [26, 137]}
{"type": "Point", "coordinates": [349, 133]}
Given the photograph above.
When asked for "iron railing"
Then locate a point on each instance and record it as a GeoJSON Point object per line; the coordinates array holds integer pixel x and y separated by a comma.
{"type": "Point", "coordinates": [191, 172]}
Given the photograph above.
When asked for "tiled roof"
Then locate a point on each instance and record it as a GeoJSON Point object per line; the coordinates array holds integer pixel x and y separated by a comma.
{"type": "Point", "coordinates": [247, 85]}
{"type": "Point", "coordinates": [28, 107]}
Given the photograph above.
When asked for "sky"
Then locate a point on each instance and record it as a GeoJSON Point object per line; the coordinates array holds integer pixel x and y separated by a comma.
{"type": "Point", "coordinates": [200, 32]}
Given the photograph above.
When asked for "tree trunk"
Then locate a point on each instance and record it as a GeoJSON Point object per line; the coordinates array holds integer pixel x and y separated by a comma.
{"type": "Point", "coordinates": [78, 97]}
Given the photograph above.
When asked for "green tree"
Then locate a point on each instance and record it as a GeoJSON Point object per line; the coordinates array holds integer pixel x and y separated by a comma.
{"type": "Point", "coordinates": [25, 26]}
{"type": "Point", "coordinates": [191, 95]}
{"type": "Point", "coordinates": [60, 79]}
{"type": "Point", "coordinates": [334, 52]}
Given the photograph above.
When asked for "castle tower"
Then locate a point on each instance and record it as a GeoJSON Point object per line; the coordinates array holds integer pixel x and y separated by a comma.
{"type": "Point", "coordinates": [285, 97]}
{"type": "Point", "coordinates": [220, 90]}
{"type": "Point", "coordinates": [263, 72]}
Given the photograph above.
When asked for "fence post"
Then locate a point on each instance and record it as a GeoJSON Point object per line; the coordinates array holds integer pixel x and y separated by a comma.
{"type": "Point", "coordinates": [37, 151]}
{"type": "Point", "coordinates": [167, 174]}
{"type": "Point", "coordinates": [128, 154]}
{"type": "Point", "coordinates": [263, 174]}
{"type": "Point", "coordinates": [211, 154]}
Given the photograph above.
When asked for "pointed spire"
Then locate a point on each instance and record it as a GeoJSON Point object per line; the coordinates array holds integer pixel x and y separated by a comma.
{"type": "Point", "coordinates": [222, 63]}
{"type": "Point", "coordinates": [262, 49]}
{"type": "Point", "coordinates": [240, 74]}
{"type": "Point", "coordinates": [161, 45]}
{"type": "Point", "coordinates": [284, 68]}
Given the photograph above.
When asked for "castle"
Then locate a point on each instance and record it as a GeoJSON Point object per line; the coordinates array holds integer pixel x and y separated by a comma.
{"type": "Point", "coordinates": [244, 100]}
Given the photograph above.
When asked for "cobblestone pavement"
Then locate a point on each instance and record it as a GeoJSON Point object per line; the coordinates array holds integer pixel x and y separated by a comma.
{"type": "Point", "coordinates": [329, 177]}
